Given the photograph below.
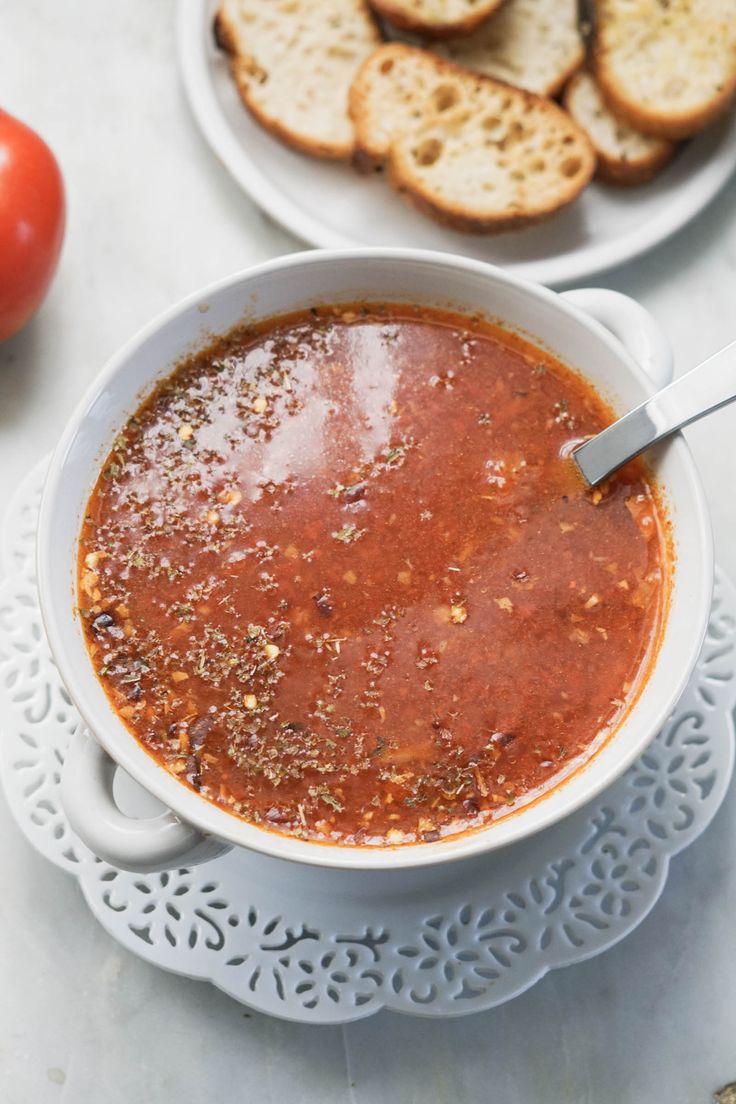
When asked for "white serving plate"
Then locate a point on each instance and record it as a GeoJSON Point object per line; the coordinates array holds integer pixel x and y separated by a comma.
{"type": "Point", "coordinates": [331, 206]}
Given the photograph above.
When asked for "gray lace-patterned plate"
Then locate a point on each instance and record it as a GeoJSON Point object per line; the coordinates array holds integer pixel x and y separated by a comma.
{"type": "Point", "coordinates": [328, 946]}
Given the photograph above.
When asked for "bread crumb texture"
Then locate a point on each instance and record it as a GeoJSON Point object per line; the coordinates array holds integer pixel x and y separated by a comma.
{"type": "Point", "coordinates": [478, 154]}
{"type": "Point", "coordinates": [293, 62]}
{"type": "Point", "coordinates": [534, 44]}
{"type": "Point", "coordinates": [669, 67]}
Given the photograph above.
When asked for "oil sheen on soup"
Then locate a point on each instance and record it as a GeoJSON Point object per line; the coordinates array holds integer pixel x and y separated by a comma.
{"type": "Point", "coordinates": [339, 575]}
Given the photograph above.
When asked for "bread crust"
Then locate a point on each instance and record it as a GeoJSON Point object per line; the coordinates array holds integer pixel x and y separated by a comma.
{"type": "Point", "coordinates": [226, 40]}
{"type": "Point", "coordinates": [397, 14]}
{"type": "Point", "coordinates": [364, 156]}
{"type": "Point", "coordinates": [367, 157]}
{"type": "Point", "coordinates": [622, 171]}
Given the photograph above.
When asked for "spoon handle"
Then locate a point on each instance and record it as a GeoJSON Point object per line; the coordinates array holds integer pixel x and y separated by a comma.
{"type": "Point", "coordinates": [704, 388]}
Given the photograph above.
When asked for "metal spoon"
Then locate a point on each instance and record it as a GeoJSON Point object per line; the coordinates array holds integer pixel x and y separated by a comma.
{"type": "Point", "coordinates": [705, 388]}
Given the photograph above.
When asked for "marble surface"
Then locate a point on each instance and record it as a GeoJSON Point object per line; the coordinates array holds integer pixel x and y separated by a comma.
{"type": "Point", "coordinates": [151, 217]}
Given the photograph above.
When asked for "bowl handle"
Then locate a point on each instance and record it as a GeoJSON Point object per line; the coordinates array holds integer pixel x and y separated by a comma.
{"type": "Point", "coordinates": [143, 845]}
{"type": "Point", "coordinates": [634, 327]}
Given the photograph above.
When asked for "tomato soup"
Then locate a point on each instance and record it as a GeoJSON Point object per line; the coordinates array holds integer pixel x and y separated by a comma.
{"type": "Point", "coordinates": [340, 575]}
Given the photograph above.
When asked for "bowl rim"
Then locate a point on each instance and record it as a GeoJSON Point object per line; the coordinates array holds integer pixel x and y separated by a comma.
{"type": "Point", "coordinates": [58, 612]}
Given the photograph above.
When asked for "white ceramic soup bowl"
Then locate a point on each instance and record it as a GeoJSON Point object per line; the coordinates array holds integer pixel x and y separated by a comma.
{"type": "Point", "coordinates": [606, 337]}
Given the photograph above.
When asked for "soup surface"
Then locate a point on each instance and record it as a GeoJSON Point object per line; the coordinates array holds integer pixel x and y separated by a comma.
{"type": "Point", "coordinates": [340, 576]}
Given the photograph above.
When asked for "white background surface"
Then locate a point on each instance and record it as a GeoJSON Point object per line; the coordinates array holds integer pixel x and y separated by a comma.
{"type": "Point", "coordinates": [151, 217]}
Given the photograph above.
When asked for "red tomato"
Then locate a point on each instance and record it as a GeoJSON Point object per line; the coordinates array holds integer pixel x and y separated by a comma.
{"type": "Point", "coordinates": [31, 222]}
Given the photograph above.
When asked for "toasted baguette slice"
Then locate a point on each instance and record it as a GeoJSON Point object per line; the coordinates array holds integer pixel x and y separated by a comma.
{"type": "Point", "coordinates": [668, 68]}
{"type": "Point", "coordinates": [293, 61]}
{"type": "Point", "coordinates": [534, 44]}
{"type": "Point", "coordinates": [472, 152]}
{"type": "Point", "coordinates": [625, 155]}
{"type": "Point", "coordinates": [436, 18]}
